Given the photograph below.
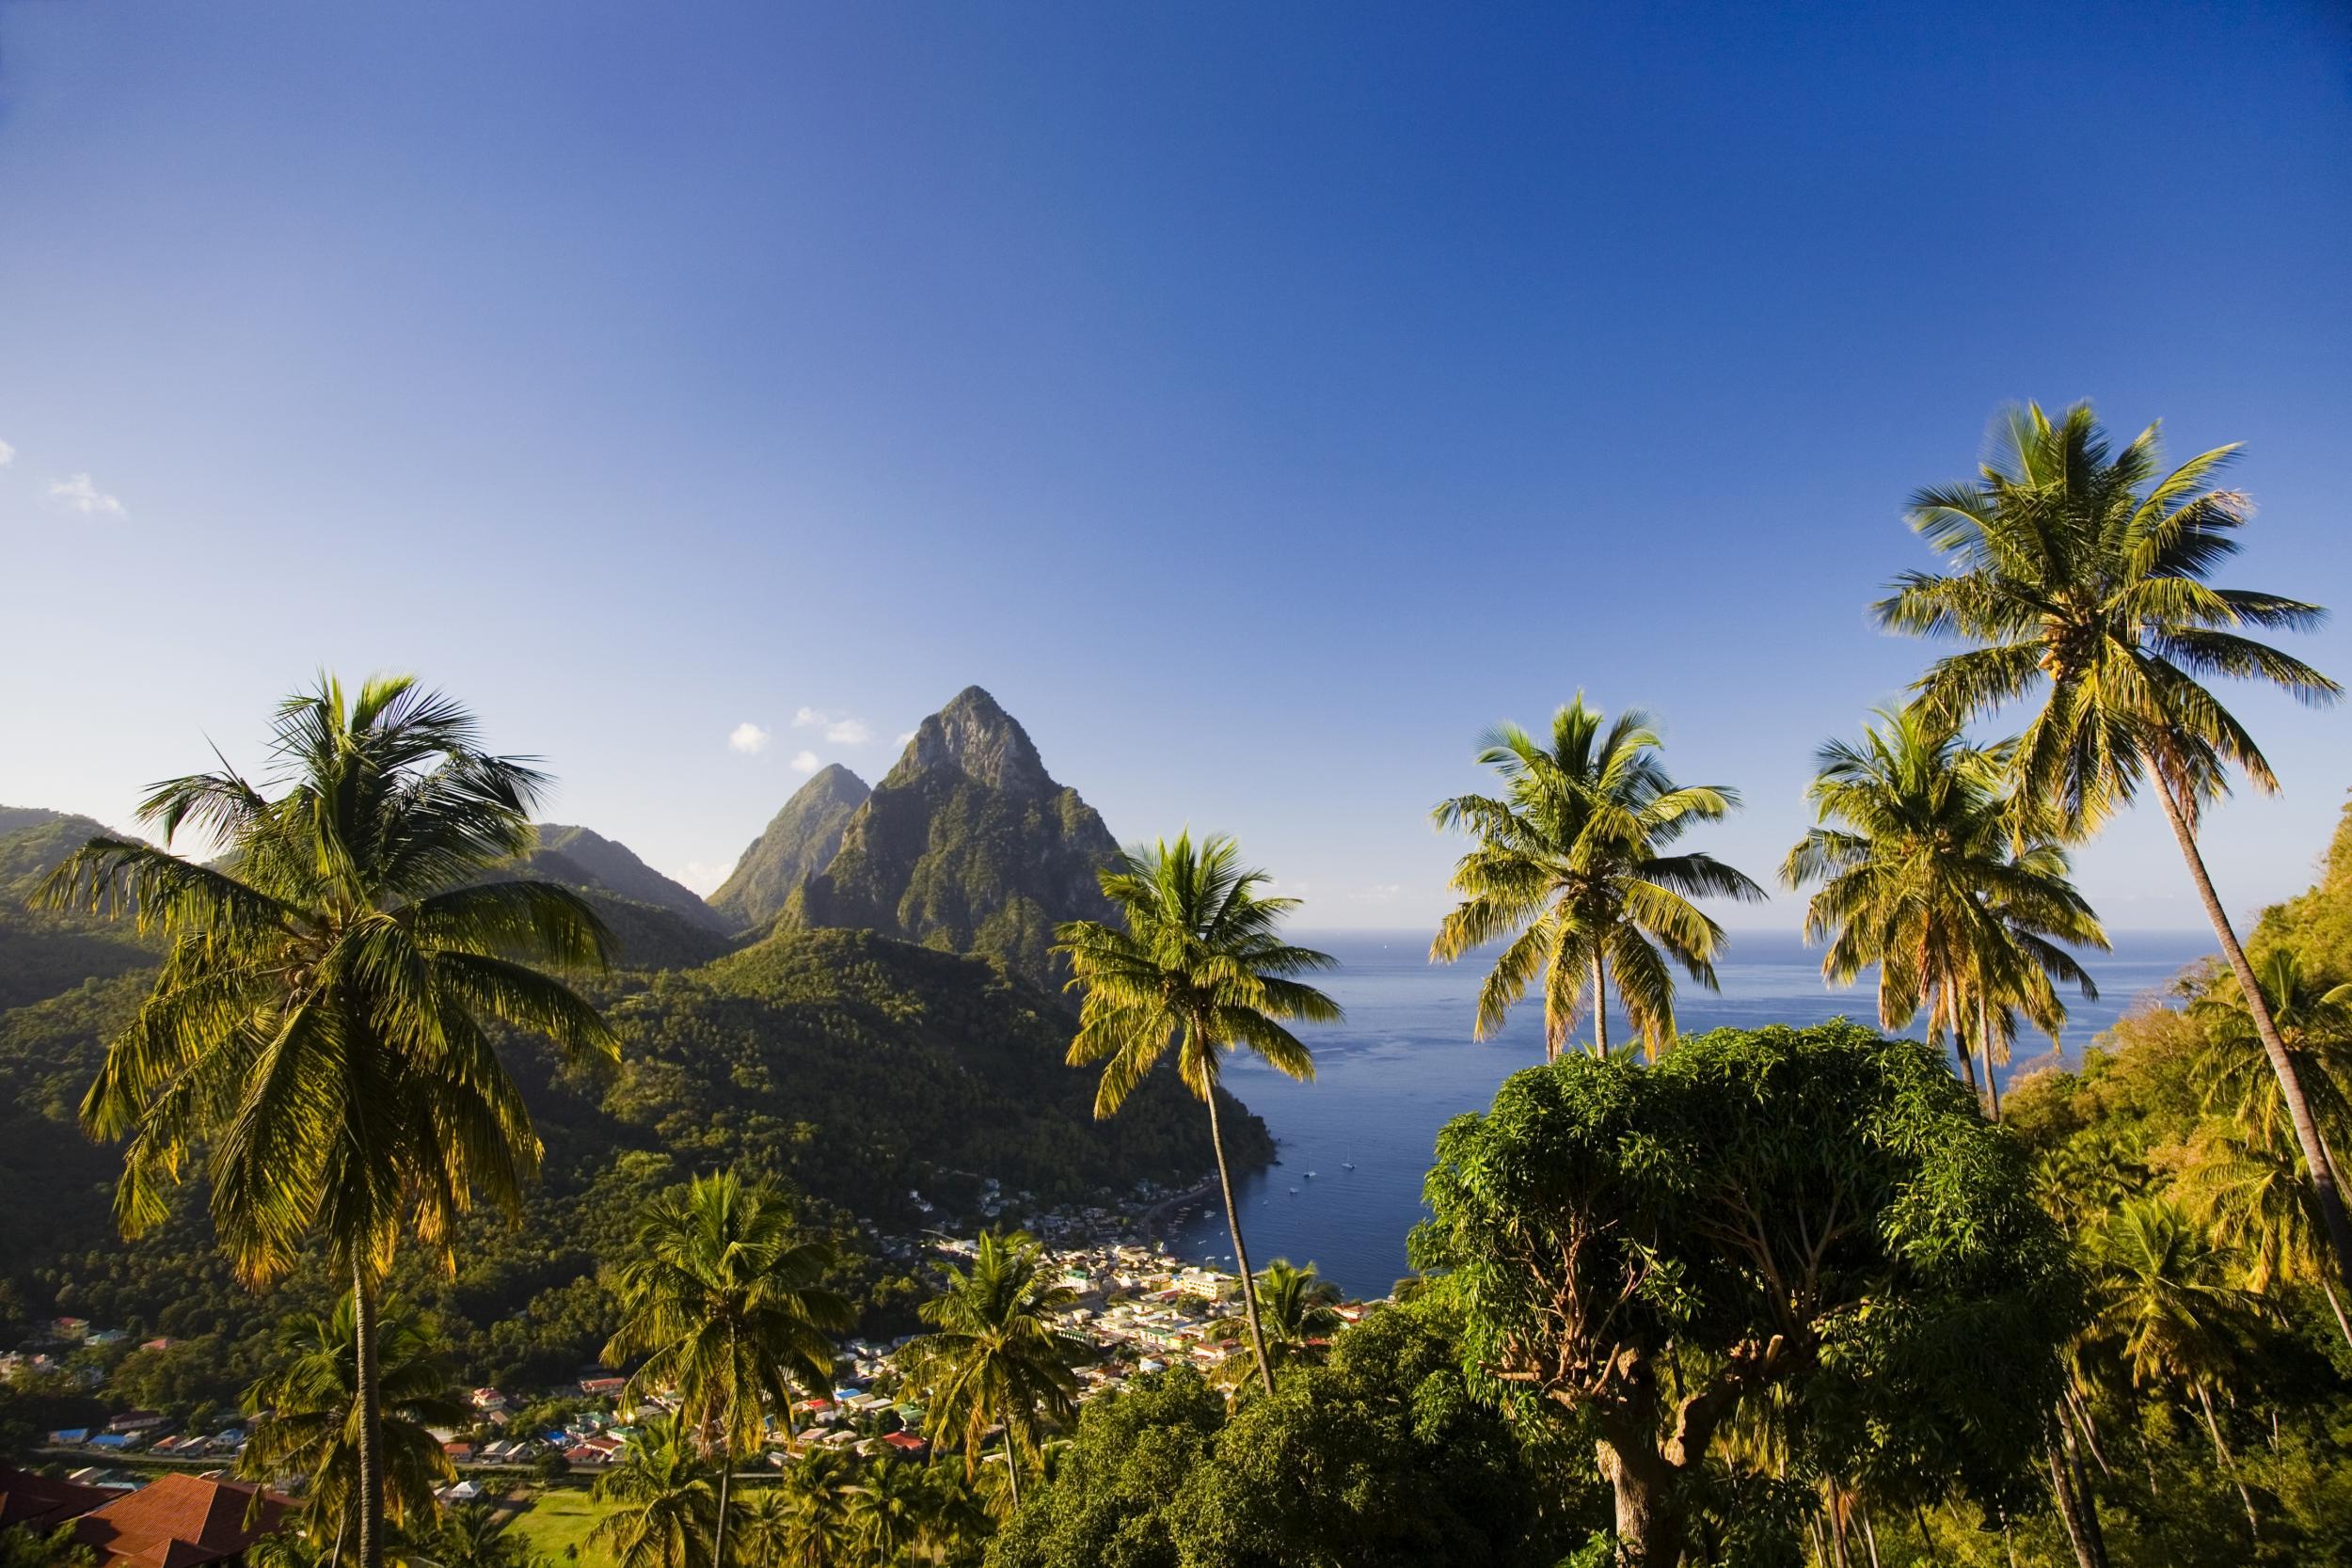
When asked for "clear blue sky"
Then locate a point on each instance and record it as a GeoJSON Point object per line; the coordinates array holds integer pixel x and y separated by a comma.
{"type": "Point", "coordinates": [1260, 400]}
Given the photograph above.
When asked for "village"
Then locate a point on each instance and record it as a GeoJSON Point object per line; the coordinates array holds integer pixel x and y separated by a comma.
{"type": "Point", "coordinates": [1136, 1306]}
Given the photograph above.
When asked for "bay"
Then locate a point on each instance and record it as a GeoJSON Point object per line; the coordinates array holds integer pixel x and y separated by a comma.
{"type": "Point", "coordinates": [1355, 1144]}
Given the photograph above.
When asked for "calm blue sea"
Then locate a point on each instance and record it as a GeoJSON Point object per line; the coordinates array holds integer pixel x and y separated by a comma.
{"type": "Point", "coordinates": [1404, 1063]}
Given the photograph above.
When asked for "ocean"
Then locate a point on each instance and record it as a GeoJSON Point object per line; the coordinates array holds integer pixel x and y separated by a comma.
{"type": "Point", "coordinates": [1355, 1144]}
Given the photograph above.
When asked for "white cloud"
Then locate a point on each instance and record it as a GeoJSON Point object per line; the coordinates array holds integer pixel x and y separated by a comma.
{"type": "Point", "coordinates": [907, 740]}
{"type": "Point", "coordinates": [805, 762]}
{"type": "Point", "coordinates": [1378, 892]}
{"type": "Point", "coordinates": [702, 877]}
{"type": "Point", "coordinates": [748, 739]}
{"type": "Point", "coordinates": [840, 728]}
{"type": "Point", "coordinates": [79, 494]}
{"type": "Point", "coordinates": [7, 454]}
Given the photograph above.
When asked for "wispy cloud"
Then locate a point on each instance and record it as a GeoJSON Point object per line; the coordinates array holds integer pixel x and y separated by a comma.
{"type": "Point", "coordinates": [702, 876]}
{"type": "Point", "coordinates": [805, 762]}
{"type": "Point", "coordinates": [80, 493]}
{"type": "Point", "coordinates": [840, 728]}
{"type": "Point", "coordinates": [906, 738]}
{"type": "Point", "coordinates": [7, 454]}
{"type": "Point", "coordinates": [748, 739]}
{"type": "Point", "coordinates": [1378, 892]}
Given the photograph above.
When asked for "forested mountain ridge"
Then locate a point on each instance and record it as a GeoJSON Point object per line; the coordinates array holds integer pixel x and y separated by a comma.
{"type": "Point", "coordinates": [616, 868]}
{"type": "Point", "coordinates": [43, 955]}
{"type": "Point", "coordinates": [967, 845]}
{"type": "Point", "coordinates": [798, 842]}
{"type": "Point", "coordinates": [858, 1067]}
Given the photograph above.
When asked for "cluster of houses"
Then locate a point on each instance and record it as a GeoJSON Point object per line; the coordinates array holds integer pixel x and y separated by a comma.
{"type": "Point", "coordinates": [175, 1521]}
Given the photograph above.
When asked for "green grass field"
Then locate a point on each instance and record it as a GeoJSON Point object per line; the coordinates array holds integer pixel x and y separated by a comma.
{"type": "Point", "coordinates": [562, 1518]}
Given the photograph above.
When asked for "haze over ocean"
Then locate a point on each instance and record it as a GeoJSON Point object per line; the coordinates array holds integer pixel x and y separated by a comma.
{"type": "Point", "coordinates": [1404, 1063]}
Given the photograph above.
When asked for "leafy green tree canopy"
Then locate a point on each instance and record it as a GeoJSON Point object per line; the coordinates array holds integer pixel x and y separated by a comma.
{"type": "Point", "coordinates": [1805, 1240]}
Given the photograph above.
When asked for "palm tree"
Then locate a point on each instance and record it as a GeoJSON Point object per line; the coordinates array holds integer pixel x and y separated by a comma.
{"type": "Point", "coordinates": [308, 1416]}
{"type": "Point", "coordinates": [1568, 865]}
{"type": "Point", "coordinates": [2080, 576]}
{"type": "Point", "coordinates": [666, 1512]}
{"type": "Point", "coordinates": [765, 1530]}
{"type": "Point", "coordinates": [994, 1357]}
{"type": "Point", "coordinates": [1298, 1307]}
{"type": "Point", "coordinates": [890, 1509]}
{"type": "Point", "coordinates": [2167, 1303]}
{"type": "Point", "coordinates": [722, 1298]}
{"type": "Point", "coordinates": [817, 1533]}
{"type": "Point", "coordinates": [1927, 871]}
{"type": "Point", "coordinates": [479, 1535]}
{"type": "Point", "coordinates": [316, 1037]}
{"type": "Point", "coordinates": [2314, 1023]}
{"type": "Point", "coordinates": [1201, 964]}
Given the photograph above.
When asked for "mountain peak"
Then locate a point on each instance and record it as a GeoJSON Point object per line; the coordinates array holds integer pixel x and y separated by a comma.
{"type": "Point", "coordinates": [798, 842]}
{"type": "Point", "coordinates": [975, 734]}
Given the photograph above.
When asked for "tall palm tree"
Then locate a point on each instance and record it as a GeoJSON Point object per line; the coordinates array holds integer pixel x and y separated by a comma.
{"type": "Point", "coordinates": [2166, 1302]}
{"type": "Point", "coordinates": [317, 1034]}
{"type": "Point", "coordinates": [817, 1533]}
{"type": "Point", "coordinates": [1298, 1307]}
{"type": "Point", "coordinates": [1927, 871]}
{"type": "Point", "coordinates": [1201, 965]}
{"type": "Point", "coordinates": [2080, 573]}
{"type": "Point", "coordinates": [994, 1357]}
{"type": "Point", "coordinates": [666, 1502]}
{"type": "Point", "coordinates": [720, 1296]}
{"type": "Point", "coordinates": [890, 1509]}
{"type": "Point", "coordinates": [1568, 864]}
{"type": "Point", "coordinates": [308, 1416]}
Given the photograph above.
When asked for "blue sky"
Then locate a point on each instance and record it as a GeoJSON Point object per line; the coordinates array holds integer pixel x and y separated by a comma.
{"type": "Point", "coordinates": [1259, 400]}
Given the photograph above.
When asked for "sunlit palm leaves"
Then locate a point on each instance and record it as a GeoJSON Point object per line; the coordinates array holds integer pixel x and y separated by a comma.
{"type": "Point", "coordinates": [1297, 1307]}
{"type": "Point", "coordinates": [722, 1298]}
{"type": "Point", "coordinates": [1569, 872]}
{"type": "Point", "coordinates": [666, 1502]}
{"type": "Point", "coordinates": [306, 1417]}
{"type": "Point", "coordinates": [1927, 870]}
{"type": "Point", "coordinates": [994, 1357]}
{"type": "Point", "coordinates": [319, 1033]}
{"type": "Point", "coordinates": [1201, 966]}
{"type": "Point", "coordinates": [2078, 573]}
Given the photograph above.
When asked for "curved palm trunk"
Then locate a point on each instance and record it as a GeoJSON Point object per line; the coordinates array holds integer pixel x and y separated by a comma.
{"type": "Point", "coordinates": [1241, 1253]}
{"type": "Point", "coordinates": [2324, 1189]}
{"type": "Point", "coordinates": [371, 1421]}
{"type": "Point", "coordinates": [1984, 1042]}
{"type": "Point", "coordinates": [1012, 1470]}
{"type": "Point", "coordinates": [2074, 1509]}
{"type": "Point", "coordinates": [1601, 1006]}
{"type": "Point", "coordinates": [2229, 1463]}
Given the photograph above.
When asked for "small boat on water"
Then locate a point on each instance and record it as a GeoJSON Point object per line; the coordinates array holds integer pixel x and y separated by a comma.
{"type": "Point", "coordinates": [1348, 1165]}
{"type": "Point", "coordinates": [1311, 1176]}
{"type": "Point", "coordinates": [1294, 1192]}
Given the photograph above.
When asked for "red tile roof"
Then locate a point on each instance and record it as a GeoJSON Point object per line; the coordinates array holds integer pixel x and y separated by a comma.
{"type": "Point", "coordinates": [178, 1521]}
{"type": "Point", "coordinates": [43, 1503]}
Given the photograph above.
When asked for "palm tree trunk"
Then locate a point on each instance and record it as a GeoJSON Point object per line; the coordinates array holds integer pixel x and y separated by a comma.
{"type": "Point", "coordinates": [2336, 1307]}
{"type": "Point", "coordinates": [2228, 1465]}
{"type": "Point", "coordinates": [2324, 1189]}
{"type": "Point", "coordinates": [1012, 1469]}
{"type": "Point", "coordinates": [1241, 1253]}
{"type": "Point", "coordinates": [1601, 1006]}
{"type": "Point", "coordinates": [726, 1480]}
{"type": "Point", "coordinates": [2089, 1552]}
{"type": "Point", "coordinates": [1984, 1040]}
{"type": "Point", "coordinates": [371, 1421]}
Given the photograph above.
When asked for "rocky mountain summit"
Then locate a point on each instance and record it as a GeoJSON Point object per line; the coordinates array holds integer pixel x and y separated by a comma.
{"type": "Point", "coordinates": [967, 845]}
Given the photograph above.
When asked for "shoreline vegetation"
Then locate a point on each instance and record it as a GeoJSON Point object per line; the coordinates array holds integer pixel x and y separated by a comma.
{"type": "Point", "coordinates": [416, 1176]}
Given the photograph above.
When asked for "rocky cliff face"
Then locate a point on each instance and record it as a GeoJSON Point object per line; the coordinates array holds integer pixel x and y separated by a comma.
{"type": "Point", "coordinates": [968, 845]}
{"type": "Point", "coordinates": [801, 841]}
